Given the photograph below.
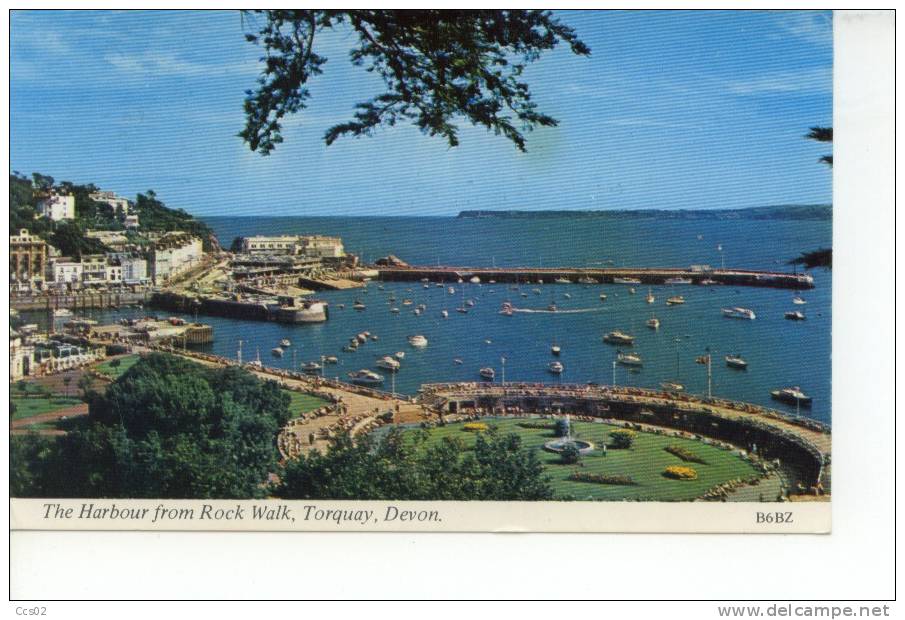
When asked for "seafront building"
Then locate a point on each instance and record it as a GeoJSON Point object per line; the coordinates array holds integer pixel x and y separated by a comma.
{"type": "Point", "coordinates": [119, 204]}
{"type": "Point", "coordinates": [313, 246]}
{"type": "Point", "coordinates": [174, 254]}
{"type": "Point", "coordinates": [57, 207]}
{"type": "Point", "coordinates": [27, 258]}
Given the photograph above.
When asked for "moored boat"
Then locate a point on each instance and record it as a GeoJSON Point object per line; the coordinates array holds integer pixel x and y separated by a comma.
{"type": "Point", "coordinates": [795, 315]}
{"type": "Point", "coordinates": [629, 359]}
{"type": "Point", "coordinates": [626, 281]}
{"type": "Point", "coordinates": [675, 300]}
{"type": "Point", "coordinates": [555, 367]}
{"type": "Point", "coordinates": [738, 312]}
{"type": "Point", "coordinates": [277, 352]}
{"type": "Point", "coordinates": [487, 373]}
{"type": "Point", "coordinates": [311, 367]}
{"type": "Point", "coordinates": [388, 363]}
{"type": "Point", "coordinates": [792, 395]}
{"type": "Point", "coordinates": [653, 322]}
{"type": "Point", "coordinates": [618, 337]}
{"type": "Point", "coordinates": [365, 377]}
{"type": "Point", "coordinates": [417, 341]}
{"type": "Point", "coordinates": [736, 361]}
{"type": "Point", "coordinates": [285, 342]}
{"type": "Point", "coordinates": [677, 281]}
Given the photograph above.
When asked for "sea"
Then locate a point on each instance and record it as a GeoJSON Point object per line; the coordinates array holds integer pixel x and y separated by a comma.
{"type": "Point", "coordinates": [779, 352]}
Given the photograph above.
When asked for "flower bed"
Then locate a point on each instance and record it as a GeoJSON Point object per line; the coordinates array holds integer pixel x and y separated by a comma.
{"type": "Point", "coordinates": [623, 438]}
{"type": "Point", "coordinates": [475, 427]}
{"type": "Point", "coordinates": [601, 478]}
{"type": "Point", "coordinates": [680, 472]}
{"type": "Point", "coordinates": [536, 425]}
{"type": "Point", "coordinates": [684, 454]}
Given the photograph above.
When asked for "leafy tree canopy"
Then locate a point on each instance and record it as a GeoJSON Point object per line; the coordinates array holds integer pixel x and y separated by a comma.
{"type": "Point", "coordinates": [436, 66]}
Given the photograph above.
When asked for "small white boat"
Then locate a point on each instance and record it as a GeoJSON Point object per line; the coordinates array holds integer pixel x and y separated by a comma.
{"type": "Point", "coordinates": [458, 361]}
{"type": "Point", "coordinates": [791, 395]}
{"type": "Point", "coordinates": [631, 291]}
{"type": "Point", "coordinates": [311, 367]}
{"type": "Point", "coordinates": [629, 359]}
{"type": "Point", "coordinates": [567, 296]}
{"type": "Point", "coordinates": [587, 280]}
{"type": "Point", "coordinates": [798, 301]}
{"type": "Point", "coordinates": [277, 352]}
{"type": "Point", "coordinates": [358, 305]}
{"type": "Point", "coordinates": [451, 290]}
{"type": "Point", "coordinates": [417, 311]}
{"type": "Point", "coordinates": [444, 314]}
{"type": "Point", "coordinates": [469, 303]}
{"type": "Point", "coordinates": [399, 355]}
{"type": "Point", "coordinates": [650, 297]}
{"type": "Point", "coordinates": [653, 322]}
{"type": "Point", "coordinates": [675, 300]}
{"type": "Point", "coordinates": [562, 281]}
{"type": "Point", "coordinates": [365, 377]}
{"type": "Point", "coordinates": [555, 349]}
{"type": "Point", "coordinates": [603, 297]}
{"type": "Point", "coordinates": [506, 309]}
{"type": "Point", "coordinates": [395, 310]}
{"type": "Point", "coordinates": [672, 386]}
{"type": "Point", "coordinates": [555, 367]}
{"type": "Point", "coordinates": [475, 280]}
{"type": "Point", "coordinates": [795, 315]}
{"type": "Point", "coordinates": [62, 312]}
{"type": "Point", "coordinates": [373, 337]}
{"type": "Point", "coordinates": [488, 341]}
{"type": "Point", "coordinates": [487, 373]}
{"type": "Point", "coordinates": [708, 282]}
{"type": "Point", "coordinates": [388, 363]}
{"type": "Point", "coordinates": [618, 337]}
{"type": "Point", "coordinates": [738, 312]}
{"type": "Point", "coordinates": [417, 341]}
{"type": "Point", "coordinates": [536, 291]}
{"type": "Point", "coordinates": [677, 281]}
{"type": "Point", "coordinates": [406, 302]}
{"type": "Point", "coordinates": [626, 281]}
{"type": "Point", "coordinates": [736, 361]}
{"type": "Point", "coordinates": [331, 359]}
{"type": "Point", "coordinates": [462, 310]}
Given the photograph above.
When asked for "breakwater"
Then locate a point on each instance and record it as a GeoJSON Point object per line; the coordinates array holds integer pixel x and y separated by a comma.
{"type": "Point", "coordinates": [644, 275]}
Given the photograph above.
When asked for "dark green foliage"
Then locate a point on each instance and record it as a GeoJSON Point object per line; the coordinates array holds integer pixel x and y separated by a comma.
{"type": "Point", "coordinates": [436, 66]}
{"type": "Point", "coordinates": [393, 468]}
{"type": "Point", "coordinates": [167, 428]}
{"type": "Point", "coordinates": [154, 215]}
{"type": "Point", "coordinates": [69, 238]}
{"type": "Point", "coordinates": [570, 455]}
{"type": "Point", "coordinates": [622, 438]}
{"type": "Point", "coordinates": [561, 427]}
{"type": "Point", "coordinates": [818, 258]}
{"type": "Point", "coordinates": [822, 134]}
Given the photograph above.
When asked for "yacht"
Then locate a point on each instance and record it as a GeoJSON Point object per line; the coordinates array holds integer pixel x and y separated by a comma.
{"type": "Point", "coordinates": [587, 280]}
{"type": "Point", "coordinates": [285, 342]}
{"type": "Point", "coordinates": [618, 337]}
{"type": "Point", "coordinates": [629, 359]}
{"type": "Point", "coordinates": [675, 300]}
{"type": "Point", "coordinates": [358, 305]}
{"type": "Point", "coordinates": [650, 297]}
{"type": "Point", "coordinates": [736, 361]}
{"type": "Point", "coordinates": [487, 373]}
{"type": "Point", "coordinates": [798, 301]}
{"type": "Point", "coordinates": [626, 281]}
{"type": "Point", "coordinates": [677, 281]}
{"type": "Point", "coordinates": [562, 281]}
{"type": "Point", "coordinates": [475, 280]}
{"type": "Point", "coordinates": [365, 377]}
{"type": "Point", "coordinates": [418, 341]}
{"type": "Point", "coordinates": [555, 367]}
{"type": "Point", "coordinates": [672, 386]}
{"type": "Point", "coordinates": [795, 315]}
{"type": "Point", "coordinates": [277, 352]}
{"type": "Point", "coordinates": [311, 367]}
{"type": "Point", "coordinates": [653, 322]}
{"type": "Point", "coordinates": [388, 363]}
{"type": "Point", "coordinates": [395, 310]}
{"type": "Point", "coordinates": [792, 395]}
{"type": "Point", "coordinates": [399, 355]}
{"type": "Point", "coordinates": [331, 359]}
{"type": "Point", "coordinates": [737, 312]}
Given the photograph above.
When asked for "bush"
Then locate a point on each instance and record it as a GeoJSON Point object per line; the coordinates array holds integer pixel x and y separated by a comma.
{"type": "Point", "coordinates": [561, 427]}
{"type": "Point", "coordinates": [602, 478]}
{"type": "Point", "coordinates": [623, 438]}
{"type": "Point", "coordinates": [570, 455]}
{"type": "Point", "coordinates": [685, 455]}
{"type": "Point", "coordinates": [680, 472]}
{"type": "Point", "coordinates": [536, 426]}
{"type": "Point", "coordinates": [475, 427]}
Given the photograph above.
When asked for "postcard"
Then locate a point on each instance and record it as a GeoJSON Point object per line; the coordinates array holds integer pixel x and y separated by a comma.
{"type": "Point", "coordinates": [385, 270]}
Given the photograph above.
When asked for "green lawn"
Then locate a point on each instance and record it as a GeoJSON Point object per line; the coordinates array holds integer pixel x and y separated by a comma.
{"type": "Point", "coordinates": [28, 407]}
{"type": "Point", "coordinates": [644, 462]}
{"type": "Point", "coordinates": [303, 403]}
{"type": "Point", "coordinates": [125, 363]}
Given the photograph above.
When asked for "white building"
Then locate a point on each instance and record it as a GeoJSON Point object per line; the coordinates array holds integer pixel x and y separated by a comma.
{"type": "Point", "coordinates": [135, 269]}
{"type": "Point", "coordinates": [94, 269]}
{"type": "Point", "coordinates": [174, 254]}
{"type": "Point", "coordinates": [315, 246]}
{"type": "Point", "coordinates": [66, 271]}
{"type": "Point", "coordinates": [260, 244]}
{"type": "Point", "coordinates": [131, 221]}
{"type": "Point", "coordinates": [120, 205]}
{"type": "Point", "coordinates": [57, 207]}
{"type": "Point", "coordinates": [20, 356]}
{"type": "Point", "coordinates": [318, 246]}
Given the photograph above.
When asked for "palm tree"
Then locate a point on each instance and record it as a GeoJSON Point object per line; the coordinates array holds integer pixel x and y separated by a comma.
{"type": "Point", "coordinates": [822, 134]}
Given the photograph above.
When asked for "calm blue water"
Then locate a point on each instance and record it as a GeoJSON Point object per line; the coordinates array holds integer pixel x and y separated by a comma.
{"type": "Point", "coordinates": [779, 352]}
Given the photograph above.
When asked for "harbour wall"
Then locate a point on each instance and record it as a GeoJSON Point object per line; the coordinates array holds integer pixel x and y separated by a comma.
{"type": "Point", "coordinates": [82, 300]}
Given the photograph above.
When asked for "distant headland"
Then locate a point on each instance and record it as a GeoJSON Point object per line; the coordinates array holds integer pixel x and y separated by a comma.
{"type": "Point", "coordinates": [778, 212]}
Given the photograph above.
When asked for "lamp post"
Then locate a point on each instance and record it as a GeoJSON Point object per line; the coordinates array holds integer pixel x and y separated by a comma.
{"type": "Point", "coordinates": [614, 373]}
{"type": "Point", "coordinates": [503, 363]}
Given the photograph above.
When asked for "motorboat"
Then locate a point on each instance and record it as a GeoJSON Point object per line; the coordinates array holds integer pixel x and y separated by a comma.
{"type": "Point", "coordinates": [798, 301]}
{"type": "Point", "coordinates": [458, 361]}
{"type": "Point", "coordinates": [488, 341]}
{"type": "Point", "coordinates": [395, 310]}
{"type": "Point", "coordinates": [60, 312]}
{"type": "Point", "coordinates": [444, 314]}
{"type": "Point", "coordinates": [603, 297]}
{"type": "Point", "coordinates": [738, 312]}
{"type": "Point", "coordinates": [555, 349]}
{"type": "Point", "coordinates": [536, 291]}
{"type": "Point", "coordinates": [277, 352]}
{"type": "Point", "coordinates": [451, 290]}
{"type": "Point", "coordinates": [487, 373]}
{"type": "Point", "coordinates": [653, 322]}
{"type": "Point", "coordinates": [358, 305]}
{"type": "Point", "coordinates": [311, 367]}
{"type": "Point", "coordinates": [631, 291]}
{"type": "Point", "coordinates": [675, 300]}
{"type": "Point", "coordinates": [399, 355]}
{"type": "Point", "coordinates": [387, 362]}
{"type": "Point", "coordinates": [469, 303]}
{"type": "Point", "coordinates": [672, 386]}
{"type": "Point", "coordinates": [462, 310]}
{"type": "Point", "coordinates": [708, 282]}
{"type": "Point", "coordinates": [551, 307]}
{"type": "Point", "coordinates": [736, 361]}
{"type": "Point", "coordinates": [795, 315]}
{"type": "Point", "coordinates": [406, 302]}
{"type": "Point", "coordinates": [792, 395]}
{"type": "Point", "coordinates": [555, 367]}
{"type": "Point", "coordinates": [562, 281]}
{"type": "Point", "coordinates": [285, 342]}
{"type": "Point", "coordinates": [628, 359]}
{"type": "Point", "coordinates": [475, 280]}
{"type": "Point", "coordinates": [650, 297]}
{"type": "Point", "coordinates": [417, 341]}
{"type": "Point", "coordinates": [373, 337]}
{"type": "Point", "coordinates": [506, 309]}
{"type": "Point", "coordinates": [365, 377]}
{"type": "Point", "coordinates": [626, 281]}
{"type": "Point", "coordinates": [331, 359]}
{"type": "Point", "coordinates": [567, 296]}
{"type": "Point", "coordinates": [677, 281]}
{"type": "Point", "coordinates": [417, 311]}
{"type": "Point", "coordinates": [618, 337]}
{"type": "Point", "coordinates": [587, 280]}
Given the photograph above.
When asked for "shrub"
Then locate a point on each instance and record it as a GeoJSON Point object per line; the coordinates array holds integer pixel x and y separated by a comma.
{"type": "Point", "coordinates": [685, 455]}
{"type": "Point", "coordinates": [680, 472]}
{"type": "Point", "coordinates": [570, 455]}
{"type": "Point", "coordinates": [602, 478]}
{"type": "Point", "coordinates": [475, 427]}
{"type": "Point", "coordinates": [536, 425]}
{"type": "Point", "coordinates": [561, 427]}
{"type": "Point", "coordinates": [623, 438]}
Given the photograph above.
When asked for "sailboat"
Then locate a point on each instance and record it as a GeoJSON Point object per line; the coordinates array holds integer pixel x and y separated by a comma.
{"type": "Point", "coordinates": [463, 308]}
{"type": "Point", "coordinates": [650, 297]}
{"type": "Point", "coordinates": [653, 322]}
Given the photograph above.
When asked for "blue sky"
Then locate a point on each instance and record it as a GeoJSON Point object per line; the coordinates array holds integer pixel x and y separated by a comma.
{"type": "Point", "coordinates": [672, 110]}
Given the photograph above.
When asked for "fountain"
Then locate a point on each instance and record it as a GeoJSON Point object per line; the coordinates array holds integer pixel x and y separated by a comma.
{"type": "Point", "coordinates": [561, 443]}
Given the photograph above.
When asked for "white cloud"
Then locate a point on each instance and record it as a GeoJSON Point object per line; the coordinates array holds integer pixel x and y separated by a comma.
{"type": "Point", "coordinates": [812, 26]}
{"type": "Point", "coordinates": [168, 64]}
{"type": "Point", "coordinates": [816, 80]}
